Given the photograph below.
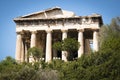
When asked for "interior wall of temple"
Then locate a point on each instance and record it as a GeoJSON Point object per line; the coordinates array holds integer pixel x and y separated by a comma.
{"type": "Point", "coordinates": [41, 40]}
{"type": "Point", "coordinates": [87, 46]}
{"type": "Point", "coordinates": [56, 36]}
{"type": "Point", "coordinates": [72, 34]}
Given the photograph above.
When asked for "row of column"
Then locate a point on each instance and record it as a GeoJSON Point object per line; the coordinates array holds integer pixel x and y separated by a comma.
{"type": "Point", "coordinates": [48, 57]}
{"type": "Point", "coordinates": [21, 48]}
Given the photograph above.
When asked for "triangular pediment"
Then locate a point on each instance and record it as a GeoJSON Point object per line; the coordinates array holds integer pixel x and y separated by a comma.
{"type": "Point", "coordinates": [55, 12]}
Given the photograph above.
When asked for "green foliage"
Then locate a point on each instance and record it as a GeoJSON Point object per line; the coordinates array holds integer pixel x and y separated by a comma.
{"type": "Point", "coordinates": [101, 65]}
{"type": "Point", "coordinates": [69, 44]}
{"type": "Point", "coordinates": [36, 53]}
{"type": "Point", "coordinates": [96, 66]}
{"type": "Point", "coordinates": [57, 46]}
{"type": "Point", "coordinates": [109, 32]}
{"type": "Point", "coordinates": [110, 36]}
{"type": "Point", "coordinates": [112, 44]}
{"type": "Point", "coordinates": [25, 73]}
{"type": "Point", "coordinates": [10, 70]}
{"type": "Point", "coordinates": [46, 74]}
{"type": "Point", "coordinates": [7, 68]}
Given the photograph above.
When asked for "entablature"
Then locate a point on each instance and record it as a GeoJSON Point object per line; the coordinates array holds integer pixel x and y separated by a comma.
{"type": "Point", "coordinates": [59, 21]}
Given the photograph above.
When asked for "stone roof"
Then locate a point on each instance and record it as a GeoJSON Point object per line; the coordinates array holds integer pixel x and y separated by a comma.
{"type": "Point", "coordinates": [55, 12]}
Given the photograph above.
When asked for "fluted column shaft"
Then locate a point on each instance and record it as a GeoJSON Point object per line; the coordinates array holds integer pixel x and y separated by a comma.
{"type": "Point", "coordinates": [32, 44]}
{"type": "Point", "coordinates": [81, 41]}
{"type": "Point", "coordinates": [64, 53]}
{"type": "Point", "coordinates": [22, 52]}
{"type": "Point", "coordinates": [26, 60]}
{"type": "Point", "coordinates": [95, 41]}
{"type": "Point", "coordinates": [48, 46]}
{"type": "Point", "coordinates": [18, 47]}
{"type": "Point", "coordinates": [33, 39]}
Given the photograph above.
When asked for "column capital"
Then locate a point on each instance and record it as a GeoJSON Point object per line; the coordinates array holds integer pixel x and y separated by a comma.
{"type": "Point", "coordinates": [97, 30]}
{"type": "Point", "coordinates": [20, 32]}
{"type": "Point", "coordinates": [33, 38]}
{"type": "Point", "coordinates": [64, 30]}
{"type": "Point", "coordinates": [33, 32]}
{"type": "Point", "coordinates": [80, 30]}
{"type": "Point", "coordinates": [48, 30]}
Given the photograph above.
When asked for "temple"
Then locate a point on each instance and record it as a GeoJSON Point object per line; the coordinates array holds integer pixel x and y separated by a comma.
{"type": "Point", "coordinates": [42, 29]}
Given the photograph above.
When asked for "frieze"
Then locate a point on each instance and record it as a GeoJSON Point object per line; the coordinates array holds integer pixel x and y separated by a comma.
{"type": "Point", "coordinates": [59, 21]}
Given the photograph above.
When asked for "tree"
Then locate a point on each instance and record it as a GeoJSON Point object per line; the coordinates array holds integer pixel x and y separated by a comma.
{"type": "Point", "coordinates": [69, 44]}
{"type": "Point", "coordinates": [36, 53]}
{"type": "Point", "coordinates": [110, 31]}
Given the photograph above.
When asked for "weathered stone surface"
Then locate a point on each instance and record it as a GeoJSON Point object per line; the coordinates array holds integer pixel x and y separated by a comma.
{"type": "Point", "coordinates": [39, 29]}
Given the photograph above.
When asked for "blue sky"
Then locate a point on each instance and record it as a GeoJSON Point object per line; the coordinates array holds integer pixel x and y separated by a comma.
{"type": "Point", "coordinates": [10, 9]}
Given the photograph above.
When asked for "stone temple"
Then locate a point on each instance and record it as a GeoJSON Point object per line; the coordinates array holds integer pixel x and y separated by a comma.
{"type": "Point", "coordinates": [42, 29]}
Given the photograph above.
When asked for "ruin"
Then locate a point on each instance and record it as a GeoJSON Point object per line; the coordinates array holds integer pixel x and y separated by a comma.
{"type": "Point", "coordinates": [42, 29]}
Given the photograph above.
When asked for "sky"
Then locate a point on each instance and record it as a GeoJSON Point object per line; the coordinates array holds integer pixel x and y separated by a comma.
{"type": "Point", "coordinates": [9, 9]}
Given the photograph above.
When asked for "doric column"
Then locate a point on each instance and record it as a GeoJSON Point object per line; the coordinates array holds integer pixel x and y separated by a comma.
{"type": "Point", "coordinates": [48, 45]}
{"type": "Point", "coordinates": [64, 33]}
{"type": "Point", "coordinates": [22, 52]}
{"type": "Point", "coordinates": [95, 41]}
{"type": "Point", "coordinates": [32, 44]}
{"type": "Point", "coordinates": [26, 60]}
{"type": "Point", "coordinates": [33, 39]}
{"type": "Point", "coordinates": [64, 53]}
{"type": "Point", "coordinates": [18, 47]}
{"type": "Point", "coordinates": [81, 41]}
